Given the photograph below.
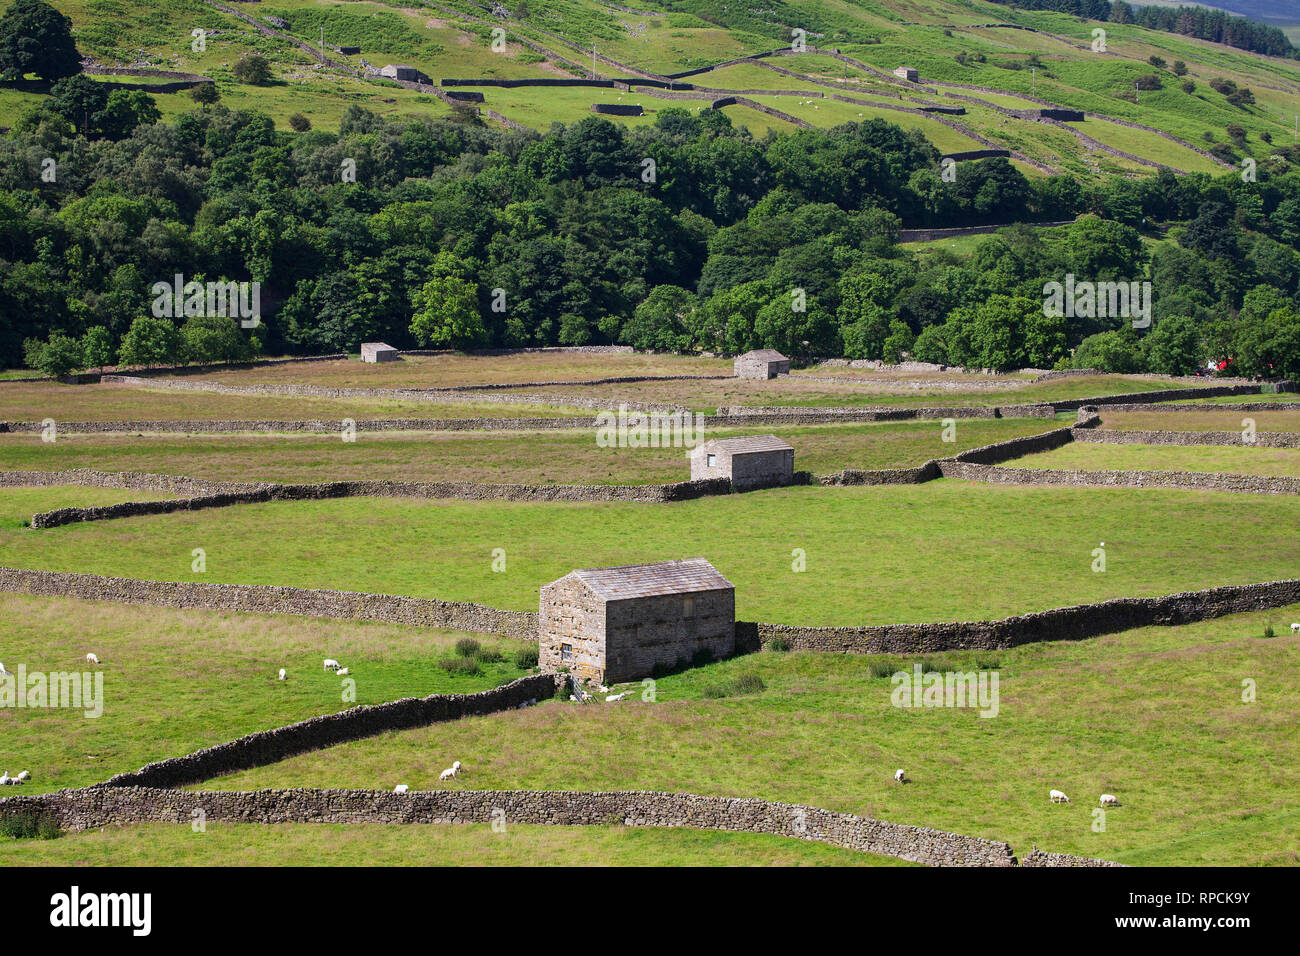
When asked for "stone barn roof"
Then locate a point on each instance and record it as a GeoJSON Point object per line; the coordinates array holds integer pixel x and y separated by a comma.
{"type": "Point", "coordinates": [653, 580]}
{"type": "Point", "coordinates": [765, 355]}
{"type": "Point", "coordinates": [748, 444]}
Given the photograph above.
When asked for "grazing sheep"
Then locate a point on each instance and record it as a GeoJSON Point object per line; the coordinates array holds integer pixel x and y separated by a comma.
{"type": "Point", "coordinates": [401, 788]}
{"type": "Point", "coordinates": [899, 777]}
{"type": "Point", "coordinates": [2, 668]}
{"type": "Point", "coordinates": [92, 659]}
{"type": "Point", "coordinates": [452, 771]}
{"type": "Point", "coordinates": [24, 776]}
{"type": "Point", "coordinates": [342, 672]}
{"type": "Point", "coordinates": [283, 673]}
{"type": "Point", "coordinates": [1058, 797]}
{"type": "Point", "coordinates": [4, 779]}
{"type": "Point", "coordinates": [1295, 629]}
{"type": "Point", "coordinates": [613, 697]}
{"type": "Point", "coordinates": [604, 689]}
{"type": "Point", "coordinates": [330, 664]}
{"type": "Point", "coordinates": [1109, 800]}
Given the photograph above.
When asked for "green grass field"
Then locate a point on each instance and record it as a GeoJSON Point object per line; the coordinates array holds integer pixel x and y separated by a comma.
{"type": "Point", "coordinates": [551, 457]}
{"type": "Point", "coordinates": [1155, 716]}
{"type": "Point", "coordinates": [312, 844]}
{"type": "Point", "coordinates": [1227, 459]}
{"type": "Point", "coordinates": [1208, 420]}
{"type": "Point", "coordinates": [944, 550]}
{"type": "Point", "coordinates": [177, 681]}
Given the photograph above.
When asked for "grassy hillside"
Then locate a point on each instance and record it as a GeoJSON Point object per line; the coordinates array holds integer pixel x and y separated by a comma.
{"type": "Point", "coordinates": [1047, 58]}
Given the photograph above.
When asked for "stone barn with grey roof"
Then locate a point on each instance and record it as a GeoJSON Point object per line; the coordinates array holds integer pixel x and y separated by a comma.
{"type": "Point", "coordinates": [619, 624]}
{"type": "Point", "coordinates": [755, 461]}
{"type": "Point", "coordinates": [761, 363]}
{"type": "Point", "coordinates": [378, 352]}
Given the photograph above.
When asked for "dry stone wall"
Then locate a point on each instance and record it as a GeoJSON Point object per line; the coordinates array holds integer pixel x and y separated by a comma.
{"type": "Point", "coordinates": [462, 490]}
{"type": "Point", "coordinates": [1183, 480]}
{"type": "Point", "coordinates": [329, 730]}
{"type": "Point", "coordinates": [1060, 624]}
{"type": "Point", "coordinates": [269, 599]}
{"type": "Point", "coordinates": [105, 806]}
{"type": "Point", "coordinates": [1138, 437]}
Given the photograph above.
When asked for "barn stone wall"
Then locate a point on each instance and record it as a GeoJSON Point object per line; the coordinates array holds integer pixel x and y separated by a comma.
{"type": "Point", "coordinates": [642, 634]}
{"type": "Point", "coordinates": [570, 613]}
{"type": "Point", "coordinates": [1137, 437]}
{"type": "Point", "coordinates": [1183, 480]}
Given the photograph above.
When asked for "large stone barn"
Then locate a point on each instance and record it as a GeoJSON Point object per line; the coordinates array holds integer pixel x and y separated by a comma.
{"type": "Point", "coordinates": [618, 624]}
{"type": "Point", "coordinates": [761, 363]}
{"type": "Point", "coordinates": [755, 461]}
{"type": "Point", "coordinates": [378, 352]}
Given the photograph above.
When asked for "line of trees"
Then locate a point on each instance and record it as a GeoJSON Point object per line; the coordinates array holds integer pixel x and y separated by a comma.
{"type": "Point", "coordinates": [1203, 23]}
{"type": "Point", "coordinates": [685, 234]}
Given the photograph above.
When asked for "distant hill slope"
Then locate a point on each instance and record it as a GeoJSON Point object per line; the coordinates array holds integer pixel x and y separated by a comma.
{"type": "Point", "coordinates": [985, 69]}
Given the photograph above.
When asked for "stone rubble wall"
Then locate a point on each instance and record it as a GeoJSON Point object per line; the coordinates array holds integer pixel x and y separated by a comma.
{"type": "Point", "coordinates": [329, 730]}
{"type": "Point", "coordinates": [432, 395]}
{"type": "Point", "coordinates": [106, 806]}
{"type": "Point", "coordinates": [1233, 438]}
{"type": "Point", "coordinates": [270, 599]}
{"type": "Point", "coordinates": [1079, 622]}
{"type": "Point", "coordinates": [1182, 480]}
{"type": "Point", "coordinates": [222, 497]}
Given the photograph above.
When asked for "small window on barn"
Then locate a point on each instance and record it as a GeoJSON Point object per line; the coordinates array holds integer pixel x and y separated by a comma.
{"type": "Point", "coordinates": [566, 652]}
{"type": "Point", "coordinates": [688, 606]}
{"type": "Point", "coordinates": [710, 460]}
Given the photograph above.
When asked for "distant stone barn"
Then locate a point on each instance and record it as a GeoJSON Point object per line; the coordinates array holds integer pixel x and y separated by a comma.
{"type": "Point", "coordinates": [756, 461]}
{"type": "Point", "coordinates": [378, 352]}
{"type": "Point", "coordinates": [618, 624]}
{"type": "Point", "coordinates": [761, 363]}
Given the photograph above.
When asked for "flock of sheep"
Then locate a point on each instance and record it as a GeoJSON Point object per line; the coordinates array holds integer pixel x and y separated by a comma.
{"type": "Point", "coordinates": [1056, 796]}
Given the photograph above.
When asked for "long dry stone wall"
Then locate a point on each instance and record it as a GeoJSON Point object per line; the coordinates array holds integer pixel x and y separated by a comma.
{"type": "Point", "coordinates": [1182, 480]}
{"type": "Point", "coordinates": [1060, 624]}
{"type": "Point", "coordinates": [328, 730]}
{"type": "Point", "coordinates": [462, 490]}
{"type": "Point", "coordinates": [268, 599]}
{"type": "Point", "coordinates": [1139, 437]}
{"type": "Point", "coordinates": [1163, 395]}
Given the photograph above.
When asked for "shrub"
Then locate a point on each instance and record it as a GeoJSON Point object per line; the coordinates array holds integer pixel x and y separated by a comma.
{"type": "Point", "coordinates": [58, 355]}
{"type": "Point", "coordinates": [881, 668]}
{"type": "Point", "coordinates": [746, 683]}
{"type": "Point", "coordinates": [526, 658]}
{"type": "Point", "coordinates": [778, 645]}
{"type": "Point", "coordinates": [253, 69]}
{"type": "Point", "coordinates": [205, 94]}
{"type": "Point", "coordinates": [29, 825]}
{"type": "Point", "coordinates": [299, 123]}
{"type": "Point", "coordinates": [1148, 81]}
{"type": "Point", "coordinates": [489, 655]}
{"type": "Point", "coordinates": [1269, 632]}
{"type": "Point", "coordinates": [1157, 61]}
{"type": "Point", "coordinates": [1180, 68]}
{"type": "Point", "coordinates": [468, 647]}
{"type": "Point", "coordinates": [460, 666]}
{"type": "Point", "coordinates": [1189, 86]}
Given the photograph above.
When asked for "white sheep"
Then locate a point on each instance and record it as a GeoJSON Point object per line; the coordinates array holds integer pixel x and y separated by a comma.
{"type": "Point", "coordinates": [1058, 797]}
{"type": "Point", "coordinates": [604, 689]}
{"type": "Point", "coordinates": [899, 777]}
{"type": "Point", "coordinates": [452, 771]}
{"type": "Point", "coordinates": [613, 697]}
{"type": "Point", "coordinates": [4, 779]}
{"type": "Point", "coordinates": [330, 663]}
{"type": "Point", "coordinates": [283, 673]}
{"type": "Point", "coordinates": [92, 659]}
{"type": "Point", "coordinates": [24, 776]}
{"type": "Point", "coordinates": [1295, 629]}
{"type": "Point", "coordinates": [401, 788]}
{"type": "Point", "coordinates": [342, 672]}
{"type": "Point", "coordinates": [1109, 800]}
{"type": "Point", "coordinates": [2, 668]}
